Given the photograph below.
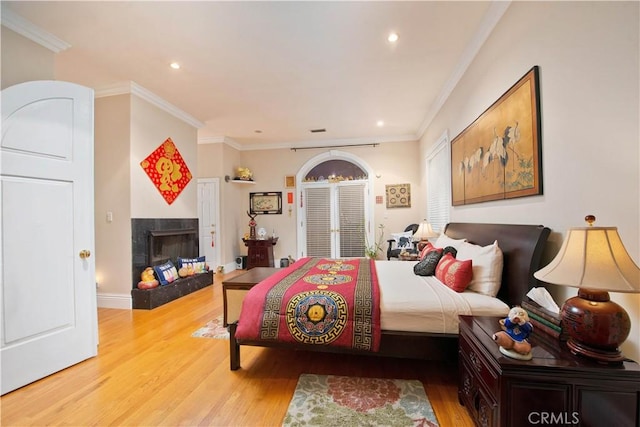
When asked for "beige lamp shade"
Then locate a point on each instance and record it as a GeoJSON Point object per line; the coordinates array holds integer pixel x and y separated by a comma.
{"type": "Point", "coordinates": [593, 258]}
{"type": "Point", "coordinates": [424, 231]}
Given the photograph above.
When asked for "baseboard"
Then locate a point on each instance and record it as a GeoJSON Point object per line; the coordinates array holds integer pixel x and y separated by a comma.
{"type": "Point", "coordinates": [114, 301]}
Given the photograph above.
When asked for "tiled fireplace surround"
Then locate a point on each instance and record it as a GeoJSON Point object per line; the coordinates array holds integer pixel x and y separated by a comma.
{"type": "Point", "coordinates": [141, 229]}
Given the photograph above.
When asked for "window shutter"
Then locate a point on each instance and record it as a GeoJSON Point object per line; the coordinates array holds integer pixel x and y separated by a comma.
{"type": "Point", "coordinates": [352, 227]}
{"type": "Point", "coordinates": [318, 214]}
{"type": "Point", "coordinates": [439, 185]}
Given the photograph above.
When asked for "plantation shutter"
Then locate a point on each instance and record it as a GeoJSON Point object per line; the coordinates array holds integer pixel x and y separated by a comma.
{"type": "Point", "coordinates": [318, 214]}
{"type": "Point", "coordinates": [352, 221]}
{"type": "Point", "coordinates": [439, 185]}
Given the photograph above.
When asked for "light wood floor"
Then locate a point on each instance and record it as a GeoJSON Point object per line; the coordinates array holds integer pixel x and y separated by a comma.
{"type": "Point", "coordinates": [150, 371]}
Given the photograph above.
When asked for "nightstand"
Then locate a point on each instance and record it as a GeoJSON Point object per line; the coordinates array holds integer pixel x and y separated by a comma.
{"type": "Point", "coordinates": [554, 388]}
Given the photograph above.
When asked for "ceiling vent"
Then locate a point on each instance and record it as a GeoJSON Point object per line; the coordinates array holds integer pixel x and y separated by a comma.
{"type": "Point", "coordinates": [317, 130]}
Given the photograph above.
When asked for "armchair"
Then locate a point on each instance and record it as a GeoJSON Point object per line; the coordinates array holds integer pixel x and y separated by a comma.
{"type": "Point", "coordinates": [402, 241]}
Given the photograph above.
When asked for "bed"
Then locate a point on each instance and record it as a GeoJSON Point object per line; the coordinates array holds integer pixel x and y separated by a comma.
{"type": "Point", "coordinates": [402, 334]}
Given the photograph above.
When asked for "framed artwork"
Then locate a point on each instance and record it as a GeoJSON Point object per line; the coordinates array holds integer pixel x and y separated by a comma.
{"type": "Point", "coordinates": [265, 203]}
{"type": "Point", "coordinates": [398, 196]}
{"type": "Point", "coordinates": [499, 155]}
{"type": "Point", "coordinates": [167, 170]}
{"type": "Point", "coordinates": [289, 181]}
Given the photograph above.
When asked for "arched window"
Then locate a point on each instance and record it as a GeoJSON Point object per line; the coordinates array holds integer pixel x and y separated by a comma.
{"type": "Point", "coordinates": [335, 171]}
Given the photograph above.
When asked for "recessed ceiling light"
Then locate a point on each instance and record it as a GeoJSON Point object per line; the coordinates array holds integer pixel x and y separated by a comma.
{"type": "Point", "coordinates": [175, 65]}
{"type": "Point", "coordinates": [393, 37]}
{"type": "Point", "coordinates": [380, 123]}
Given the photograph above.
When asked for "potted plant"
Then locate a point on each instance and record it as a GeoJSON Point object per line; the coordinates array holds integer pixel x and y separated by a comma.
{"type": "Point", "coordinates": [371, 251]}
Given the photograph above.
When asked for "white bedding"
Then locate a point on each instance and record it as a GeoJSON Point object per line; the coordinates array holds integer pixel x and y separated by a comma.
{"type": "Point", "coordinates": [413, 303]}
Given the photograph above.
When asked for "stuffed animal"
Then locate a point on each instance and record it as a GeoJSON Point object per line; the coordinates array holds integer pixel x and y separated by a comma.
{"type": "Point", "coordinates": [513, 338]}
{"type": "Point", "coordinates": [147, 279]}
{"type": "Point", "coordinates": [187, 270]}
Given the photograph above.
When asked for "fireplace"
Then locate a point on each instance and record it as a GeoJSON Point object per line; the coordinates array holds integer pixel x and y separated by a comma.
{"type": "Point", "coordinates": [156, 240]}
{"type": "Point", "coordinates": [170, 244]}
{"type": "Point", "coordinates": [169, 237]}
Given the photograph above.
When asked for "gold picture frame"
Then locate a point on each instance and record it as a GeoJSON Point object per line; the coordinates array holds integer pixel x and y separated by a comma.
{"type": "Point", "coordinates": [499, 155]}
{"type": "Point", "coordinates": [289, 181]}
{"type": "Point", "coordinates": [398, 195]}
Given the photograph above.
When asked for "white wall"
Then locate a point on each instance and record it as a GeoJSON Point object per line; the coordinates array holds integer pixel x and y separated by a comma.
{"type": "Point", "coordinates": [588, 53]}
{"type": "Point", "coordinates": [24, 60]}
{"type": "Point", "coordinates": [112, 194]}
{"type": "Point", "coordinates": [150, 127]}
{"type": "Point", "coordinates": [128, 129]}
{"type": "Point", "coordinates": [392, 163]}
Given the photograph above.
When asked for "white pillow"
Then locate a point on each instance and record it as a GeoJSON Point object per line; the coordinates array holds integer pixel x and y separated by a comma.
{"type": "Point", "coordinates": [444, 241]}
{"type": "Point", "coordinates": [403, 240]}
{"type": "Point", "coordinates": [487, 267]}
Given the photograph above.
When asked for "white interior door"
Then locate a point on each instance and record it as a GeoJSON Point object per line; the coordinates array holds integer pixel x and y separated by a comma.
{"type": "Point", "coordinates": [208, 219]}
{"type": "Point", "coordinates": [48, 294]}
{"type": "Point", "coordinates": [335, 219]}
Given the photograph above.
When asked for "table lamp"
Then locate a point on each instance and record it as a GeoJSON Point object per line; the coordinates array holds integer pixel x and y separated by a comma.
{"type": "Point", "coordinates": [594, 260]}
{"type": "Point", "coordinates": [424, 232]}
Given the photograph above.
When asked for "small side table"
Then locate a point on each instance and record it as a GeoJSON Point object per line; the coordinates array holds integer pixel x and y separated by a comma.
{"type": "Point", "coordinates": [260, 252]}
{"type": "Point", "coordinates": [235, 288]}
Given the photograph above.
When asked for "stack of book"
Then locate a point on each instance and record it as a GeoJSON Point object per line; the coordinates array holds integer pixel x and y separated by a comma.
{"type": "Point", "coordinates": [544, 321]}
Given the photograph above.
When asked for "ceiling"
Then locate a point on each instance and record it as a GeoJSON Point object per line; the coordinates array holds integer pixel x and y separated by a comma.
{"type": "Point", "coordinates": [264, 74]}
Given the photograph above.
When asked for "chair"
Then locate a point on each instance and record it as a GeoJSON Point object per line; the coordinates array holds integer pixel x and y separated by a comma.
{"type": "Point", "coordinates": [402, 241]}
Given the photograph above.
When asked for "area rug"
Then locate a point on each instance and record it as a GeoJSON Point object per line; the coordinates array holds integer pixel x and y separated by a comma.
{"type": "Point", "coordinates": [327, 400]}
{"type": "Point", "coordinates": [213, 329]}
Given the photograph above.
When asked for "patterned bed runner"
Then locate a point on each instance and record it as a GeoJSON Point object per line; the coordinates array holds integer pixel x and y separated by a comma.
{"type": "Point", "coordinates": [316, 301]}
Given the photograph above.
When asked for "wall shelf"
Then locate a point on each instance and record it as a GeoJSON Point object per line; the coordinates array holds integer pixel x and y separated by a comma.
{"type": "Point", "coordinates": [227, 178]}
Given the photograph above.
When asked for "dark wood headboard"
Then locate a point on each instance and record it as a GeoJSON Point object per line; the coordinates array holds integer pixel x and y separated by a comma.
{"type": "Point", "coordinates": [522, 247]}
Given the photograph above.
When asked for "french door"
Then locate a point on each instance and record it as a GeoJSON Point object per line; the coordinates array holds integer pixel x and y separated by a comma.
{"type": "Point", "coordinates": [335, 219]}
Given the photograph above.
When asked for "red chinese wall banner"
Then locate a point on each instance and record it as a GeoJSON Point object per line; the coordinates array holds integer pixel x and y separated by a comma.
{"type": "Point", "coordinates": [167, 170]}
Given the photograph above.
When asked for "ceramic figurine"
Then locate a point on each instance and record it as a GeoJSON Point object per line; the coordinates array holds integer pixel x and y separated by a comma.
{"type": "Point", "coordinates": [513, 338]}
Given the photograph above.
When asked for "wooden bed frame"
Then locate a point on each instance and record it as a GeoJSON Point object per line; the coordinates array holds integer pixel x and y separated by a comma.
{"type": "Point", "coordinates": [522, 247]}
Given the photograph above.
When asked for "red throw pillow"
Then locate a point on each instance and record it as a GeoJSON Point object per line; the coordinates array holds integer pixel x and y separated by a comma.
{"type": "Point", "coordinates": [428, 247]}
{"type": "Point", "coordinates": [454, 273]}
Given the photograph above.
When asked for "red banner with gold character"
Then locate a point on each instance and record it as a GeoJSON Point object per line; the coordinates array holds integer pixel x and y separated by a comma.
{"type": "Point", "coordinates": [167, 170]}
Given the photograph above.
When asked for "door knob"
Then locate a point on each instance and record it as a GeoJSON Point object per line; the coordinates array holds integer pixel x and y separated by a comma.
{"type": "Point", "coordinates": [85, 253]}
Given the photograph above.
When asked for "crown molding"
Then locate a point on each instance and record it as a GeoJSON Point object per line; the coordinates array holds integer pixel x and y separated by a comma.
{"type": "Point", "coordinates": [29, 30]}
{"type": "Point", "coordinates": [220, 140]}
{"type": "Point", "coordinates": [489, 22]}
{"type": "Point", "coordinates": [133, 88]}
